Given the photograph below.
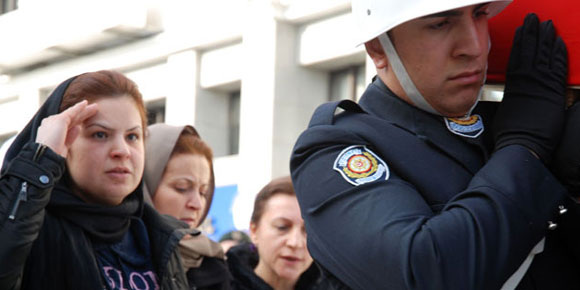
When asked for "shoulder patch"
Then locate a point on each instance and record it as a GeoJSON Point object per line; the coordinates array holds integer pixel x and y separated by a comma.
{"type": "Point", "coordinates": [470, 127]}
{"type": "Point", "coordinates": [359, 165]}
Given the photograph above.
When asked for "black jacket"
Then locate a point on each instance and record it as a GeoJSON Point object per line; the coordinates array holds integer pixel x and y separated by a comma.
{"type": "Point", "coordinates": [243, 258]}
{"type": "Point", "coordinates": [36, 237]}
{"type": "Point", "coordinates": [212, 274]}
{"type": "Point", "coordinates": [43, 248]}
{"type": "Point", "coordinates": [393, 199]}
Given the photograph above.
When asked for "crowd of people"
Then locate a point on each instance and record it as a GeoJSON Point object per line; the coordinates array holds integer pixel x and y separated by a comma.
{"type": "Point", "coordinates": [93, 198]}
{"type": "Point", "coordinates": [419, 185]}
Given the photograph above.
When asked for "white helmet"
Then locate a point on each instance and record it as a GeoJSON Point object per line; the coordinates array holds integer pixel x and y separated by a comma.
{"type": "Point", "coordinates": [374, 17]}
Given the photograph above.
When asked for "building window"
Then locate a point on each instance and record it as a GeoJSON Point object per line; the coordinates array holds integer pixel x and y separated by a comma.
{"type": "Point", "coordinates": [155, 111]}
{"type": "Point", "coordinates": [217, 119]}
{"type": "Point", "coordinates": [348, 83]}
{"type": "Point", "coordinates": [234, 123]}
{"type": "Point", "coordinates": [8, 5]}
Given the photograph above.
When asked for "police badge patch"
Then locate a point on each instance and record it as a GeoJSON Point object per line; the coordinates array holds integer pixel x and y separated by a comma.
{"type": "Point", "coordinates": [470, 127]}
{"type": "Point", "coordinates": [359, 165]}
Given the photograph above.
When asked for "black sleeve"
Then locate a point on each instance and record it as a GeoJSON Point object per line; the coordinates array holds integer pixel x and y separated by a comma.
{"type": "Point", "coordinates": [25, 188]}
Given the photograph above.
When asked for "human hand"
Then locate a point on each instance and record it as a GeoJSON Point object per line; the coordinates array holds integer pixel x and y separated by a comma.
{"type": "Point", "coordinates": [532, 111]}
{"type": "Point", "coordinates": [60, 130]}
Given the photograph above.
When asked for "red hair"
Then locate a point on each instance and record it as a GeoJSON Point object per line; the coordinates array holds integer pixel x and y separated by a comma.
{"type": "Point", "coordinates": [189, 142]}
{"type": "Point", "coordinates": [92, 86]}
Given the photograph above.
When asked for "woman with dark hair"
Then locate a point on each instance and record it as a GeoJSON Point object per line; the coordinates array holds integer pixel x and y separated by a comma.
{"type": "Point", "coordinates": [179, 180]}
{"type": "Point", "coordinates": [233, 238]}
{"type": "Point", "coordinates": [278, 257]}
{"type": "Point", "coordinates": [71, 202]}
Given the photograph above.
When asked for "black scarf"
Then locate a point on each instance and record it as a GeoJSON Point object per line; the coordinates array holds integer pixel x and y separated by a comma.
{"type": "Point", "coordinates": [103, 223]}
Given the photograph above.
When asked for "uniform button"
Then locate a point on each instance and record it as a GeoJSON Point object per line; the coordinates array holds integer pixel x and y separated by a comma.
{"type": "Point", "coordinates": [552, 226]}
{"type": "Point", "coordinates": [562, 210]}
{"type": "Point", "coordinates": [44, 179]}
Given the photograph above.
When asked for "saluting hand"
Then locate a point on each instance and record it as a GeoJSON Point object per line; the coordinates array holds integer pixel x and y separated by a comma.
{"type": "Point", "coordinates": [60, 130]}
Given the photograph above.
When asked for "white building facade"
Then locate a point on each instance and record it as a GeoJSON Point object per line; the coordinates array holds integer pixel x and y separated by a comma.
{"type": "Point", "coordinates": [246, 73]}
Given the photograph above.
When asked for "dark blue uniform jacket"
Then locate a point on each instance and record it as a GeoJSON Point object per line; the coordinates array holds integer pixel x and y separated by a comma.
{"type": "Point", "coordinates": [443, 212]}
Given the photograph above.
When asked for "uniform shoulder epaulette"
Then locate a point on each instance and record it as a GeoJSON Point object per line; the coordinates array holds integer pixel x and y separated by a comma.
{"type": "Point", "coordinates": [325, 113]}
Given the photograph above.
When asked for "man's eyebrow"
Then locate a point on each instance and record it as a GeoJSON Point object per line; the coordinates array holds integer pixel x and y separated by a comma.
{"type": "Point", "coordinates": [454, 12]}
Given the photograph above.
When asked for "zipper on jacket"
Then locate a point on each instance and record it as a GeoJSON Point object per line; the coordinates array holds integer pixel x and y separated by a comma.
{"type": "Point", "coordinates": [22, 196]}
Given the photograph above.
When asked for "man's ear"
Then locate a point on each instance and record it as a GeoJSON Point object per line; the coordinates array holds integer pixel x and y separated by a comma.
{"type": "Point", "coordinates": [377, 53]}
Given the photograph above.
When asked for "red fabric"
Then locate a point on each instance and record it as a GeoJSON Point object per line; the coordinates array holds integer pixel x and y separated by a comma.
{"type": "Point", "coordinates": [566, 17]}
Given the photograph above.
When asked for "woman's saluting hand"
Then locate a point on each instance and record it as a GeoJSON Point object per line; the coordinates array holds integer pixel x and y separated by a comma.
{"type": "Point", "coordinates": [60, 130]}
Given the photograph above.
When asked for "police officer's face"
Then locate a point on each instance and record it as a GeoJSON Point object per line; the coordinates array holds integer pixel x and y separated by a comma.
{"type": "Point", "coordinates": [445, 55]}
{"type": "Point", "coordinates": [281, 240]}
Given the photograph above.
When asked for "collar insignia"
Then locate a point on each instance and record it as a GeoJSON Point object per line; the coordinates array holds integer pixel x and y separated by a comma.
{"type": "Point", "coordinates": [470, 127]}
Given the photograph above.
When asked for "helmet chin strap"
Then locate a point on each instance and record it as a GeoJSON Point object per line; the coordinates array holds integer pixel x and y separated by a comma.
{"type": "Point", "coordinates": [406, 82]}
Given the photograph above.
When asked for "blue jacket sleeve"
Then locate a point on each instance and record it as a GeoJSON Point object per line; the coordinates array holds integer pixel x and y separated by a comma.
{"type": "Point", "coordinates": [383, 234]}
{"type": "Point", "coordinates": [25, 188]}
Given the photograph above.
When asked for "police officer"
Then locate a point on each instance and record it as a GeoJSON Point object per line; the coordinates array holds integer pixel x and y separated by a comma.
{"type": "Point", "coordinates": [420, 187]}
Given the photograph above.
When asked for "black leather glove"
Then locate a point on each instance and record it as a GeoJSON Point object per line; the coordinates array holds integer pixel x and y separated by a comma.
{"type": "Point", "coordinates": [566, 164]}
{"type": "Point", "coordinates": [532, 111]}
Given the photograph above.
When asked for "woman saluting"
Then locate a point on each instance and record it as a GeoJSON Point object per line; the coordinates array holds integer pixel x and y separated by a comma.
{"type": "Point", "coordinates": [71, 203]}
